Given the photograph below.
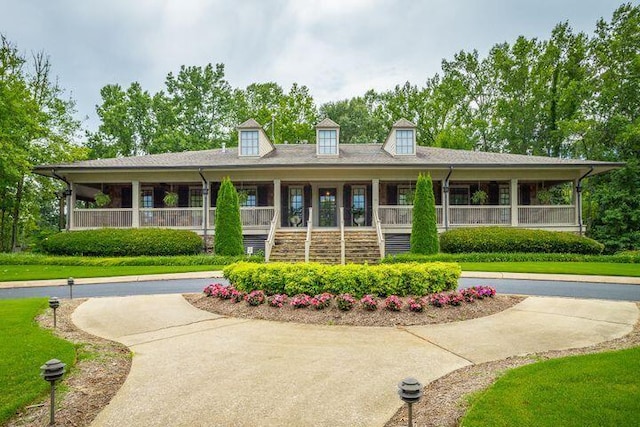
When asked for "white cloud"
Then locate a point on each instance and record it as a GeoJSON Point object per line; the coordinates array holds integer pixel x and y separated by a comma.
{"type": "Point", "coordinates": [339, 48]}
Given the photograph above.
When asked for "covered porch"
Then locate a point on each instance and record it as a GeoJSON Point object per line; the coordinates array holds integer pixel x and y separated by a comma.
{"type": "Point", "coordinates": [294, 204]}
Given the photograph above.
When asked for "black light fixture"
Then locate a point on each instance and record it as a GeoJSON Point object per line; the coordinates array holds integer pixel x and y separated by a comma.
{"type": "Point", "coordinates": [70, 283]}
{"type": "Point", "coordinates": [410, 391]}
{"type": "Point", "coordinates": [51, 372]}
{"type": "Point", "coordinates": [54, 303]}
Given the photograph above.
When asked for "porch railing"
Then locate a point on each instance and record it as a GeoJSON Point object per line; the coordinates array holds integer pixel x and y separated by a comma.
{"type": "Point", "coordinates": [547, 215]}
{"type": "Point", "coordinates": [98, 218]}
{"type": "Point", "coordinates": [260, 216]}
{"type": "Point", "coordinates": [474, 215]}
{"type": "Point", "coordinates": [171, 217]}
{"type": "Point", "coordinates": [402, 214]}
{"type": "Point", "coordinates": [376, 223]}
{"type": "Point", "coordinates": [268, 245]}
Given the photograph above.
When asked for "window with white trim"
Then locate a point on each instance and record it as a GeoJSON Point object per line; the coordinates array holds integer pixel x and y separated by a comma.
{"type": "Point", "coordinates": [404, 142]}
{"type": "Point", "coordinates": [405, 195]}
{"type": "Point", "coordinates": [250, 197]}
{"type": "Point", "coordinates": [195, 197]}
{"type": "Point", "coordinates": [146, 198]}
{"type": "Point", "coordinates": [328, 141]}
{"type": "Point", "coordinates": [249, 143]}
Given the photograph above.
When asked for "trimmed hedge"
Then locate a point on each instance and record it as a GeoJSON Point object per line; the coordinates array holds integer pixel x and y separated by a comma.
{"type": "Point", "coordinates": [23, 258]}
{"type": "Point", "coordinates": [355, 279]}
{"type": "Point", "coordinates": [502, 239]}
{"type": "Point", "coordinates": [124, 242]}
{"type": "Point", "coordinates": [621, 258]}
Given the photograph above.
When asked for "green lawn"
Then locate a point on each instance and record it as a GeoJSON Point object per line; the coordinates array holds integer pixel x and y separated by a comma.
{"type": "Point", "coordinates": [10, 273]}
{"type": "Point", "coordinates": [593, 390]}
{"type": "Point", "coordinates": [24, 347]}
{"type": "Point", "coordinates": [587, 268]}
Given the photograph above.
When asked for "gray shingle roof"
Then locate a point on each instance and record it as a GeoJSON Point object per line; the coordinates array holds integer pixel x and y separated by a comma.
{"type": "Point", "coordinates": [351, 155]}
{"type": "Point", "coordinates": [403, 123]}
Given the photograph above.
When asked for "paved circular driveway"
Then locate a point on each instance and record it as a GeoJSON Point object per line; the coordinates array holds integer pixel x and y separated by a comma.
{"type": "Point", "coordinates": [193, 368]}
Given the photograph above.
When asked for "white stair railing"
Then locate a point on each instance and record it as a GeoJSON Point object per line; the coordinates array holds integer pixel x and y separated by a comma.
{"type": "Point", "coordinates": [307, 242]}
{"type": "Point", "coordinates": [378, 225]}
{"type": "Point", "coordinates": [342, 246]}
{"type": "Point", "coordinates": [271, 237]}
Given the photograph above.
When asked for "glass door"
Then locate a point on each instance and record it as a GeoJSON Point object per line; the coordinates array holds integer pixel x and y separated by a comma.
{"type": "Point", "coordinates": [296, 207]}
{"type": "Point", "coordinates": [328, 213]}
{"type": "Point", "coordinates": [359, 205]}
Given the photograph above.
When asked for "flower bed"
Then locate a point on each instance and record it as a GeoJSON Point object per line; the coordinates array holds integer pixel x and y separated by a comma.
{"type": "Point", "coordinates": [346, 301]}
{"type": "Point", "coordinates": [366, 311]}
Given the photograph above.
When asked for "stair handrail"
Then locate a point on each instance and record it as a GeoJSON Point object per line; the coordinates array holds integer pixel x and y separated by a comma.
{"type": "Point", "coordinates": [272, 236]}
{"type": "Point", "coordinates": [307, 242]}
{"type": "Point", "coordinates": [376, 221]}
{"type": "Point", "coordinates": [342, 246]}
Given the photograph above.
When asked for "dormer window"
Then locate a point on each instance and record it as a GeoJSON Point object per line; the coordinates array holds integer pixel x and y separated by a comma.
{"type": "Point", "coordinates": [249, 143]}
{"type": "Point", "coordinates": [252, 141]}
{"type": "Point", "coordinates": [327, 138]}
{"type": "Point", "coordinates": [401, 141]}
{"type": "Point", "coordinates": [327, 142]}
{"type": "Point", "coordinates": [404, 141]}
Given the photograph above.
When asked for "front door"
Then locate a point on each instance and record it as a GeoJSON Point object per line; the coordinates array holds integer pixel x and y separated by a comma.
{"type": "Point", "coordinates": [328, 209]}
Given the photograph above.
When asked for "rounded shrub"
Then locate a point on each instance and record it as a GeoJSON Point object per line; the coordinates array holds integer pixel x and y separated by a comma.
{"type": "Point", "coordinates": [502, 239]}
{"type": "Point", "coordinates": [124, 242]}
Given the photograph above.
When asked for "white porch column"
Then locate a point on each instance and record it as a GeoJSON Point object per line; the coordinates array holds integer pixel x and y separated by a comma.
{"type": "Point", "coordinates": [277, 199]}
{"type": "Point", "coordinates": [135, 204]}
{"type": "Point", "coordinates": [513, 198]}
{"type": "Point", "coordinates": [71, 205]}
{"type": "Point", "coordinates": [577, 195]}
{"type": "Point", "coordinates": [375, 194]}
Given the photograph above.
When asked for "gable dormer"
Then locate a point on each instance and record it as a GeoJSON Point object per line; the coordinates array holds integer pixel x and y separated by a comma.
{"type": "Point", "coordinates": [327, 138]}
{"type": "Point", "coordinates": [402, 139]}
{"type": "Point", "coordinates": [252, 140]}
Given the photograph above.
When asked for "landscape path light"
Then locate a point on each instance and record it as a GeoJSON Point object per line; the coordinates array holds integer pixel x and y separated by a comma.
{"type": "Point", "coordinates": [410, 391]}
{"type": "Point", "coordinates": [70, 282]}
{"type": "Point", "coordinates": [54, 303]}
{"type": "Point", "coordinates": [52, 371]}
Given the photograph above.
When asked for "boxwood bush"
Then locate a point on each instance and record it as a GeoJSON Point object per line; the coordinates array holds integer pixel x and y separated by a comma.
{"type": "Point", "coordinates": [355, 279]}
{"type": "Point", "coordinates": [502, 239]}
{"type": "Point", "coordinates": [123, 242]}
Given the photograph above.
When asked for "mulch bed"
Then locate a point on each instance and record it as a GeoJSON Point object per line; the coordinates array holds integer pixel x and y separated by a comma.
{"type": "Point", "coordinates": [357, 316]}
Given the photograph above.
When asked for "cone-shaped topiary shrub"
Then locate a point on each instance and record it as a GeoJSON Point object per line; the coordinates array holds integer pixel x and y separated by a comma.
{"type": "Point", "coordinates": [228, 230]}
{"type": "Point", "coordinates": [424, 231]}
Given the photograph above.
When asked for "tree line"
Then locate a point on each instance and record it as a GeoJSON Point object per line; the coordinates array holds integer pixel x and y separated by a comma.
{"type": "Point", "coordinates": [571, 95]}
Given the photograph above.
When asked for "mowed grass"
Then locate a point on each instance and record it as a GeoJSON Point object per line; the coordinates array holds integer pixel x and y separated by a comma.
{"type": "Point", "coordinates": [9, 273]}
{"type": "Point", "coordinates": [586, 268]}
{"type": "Point", "coordinates": [24, 347]}
{"type": "Point", "coordinates": [593, 390]}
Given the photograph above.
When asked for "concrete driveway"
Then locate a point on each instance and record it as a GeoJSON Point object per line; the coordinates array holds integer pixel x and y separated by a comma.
{"type": "Point", "coordinates": [193, 368]}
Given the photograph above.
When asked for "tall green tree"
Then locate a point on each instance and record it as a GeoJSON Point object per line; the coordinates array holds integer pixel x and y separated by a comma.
{"type": "Point", "coordinates": [228, 225]}
{"type": "Point", "coordinates": [424, 229]}
{"type": "Point", "coordinates": [36, 127]}
{"type": "Point", "coordinates": [357, 121]}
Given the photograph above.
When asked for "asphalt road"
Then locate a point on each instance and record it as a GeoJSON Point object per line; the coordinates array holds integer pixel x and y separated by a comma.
{"type": "Point", "coordinates": [505, 286]}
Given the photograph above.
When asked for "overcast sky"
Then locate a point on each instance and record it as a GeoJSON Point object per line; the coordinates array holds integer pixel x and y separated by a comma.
{"type": "Point", "coordinates": [338, 48]}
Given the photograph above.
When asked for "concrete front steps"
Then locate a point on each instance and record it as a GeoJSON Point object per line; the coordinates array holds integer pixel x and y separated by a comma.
{"type": "Point", "coordinates": [360, 246]}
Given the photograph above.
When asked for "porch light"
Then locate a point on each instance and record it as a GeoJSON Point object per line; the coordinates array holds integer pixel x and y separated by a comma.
{"type": "Point", "coordinates": [51, 372]}
{"type": "Point", "coordinates": [54, 303]}
{"type": "Point", "coordinates": [410, 391]}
